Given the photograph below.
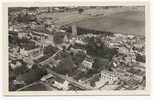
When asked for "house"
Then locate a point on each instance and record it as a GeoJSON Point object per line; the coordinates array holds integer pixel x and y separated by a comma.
{"type": "Point", "coordinates": [63, 86]}
{"type": "Point", "coordinates": [123, 50]}
{"type": "Point", "coordinates": [110, 87]}
{"type": "Point", "coordinates": [87, 64]}
{"type": "Point", "coordinates": [36, 53]}
{"type": "Point", "coordinates": [100, 83]}
{"type": "Point", "coordinates": [138, 78]}
{"type": "Point", "coordinates": [78, 41]}
{"type": "Point", "coordinates": [33, 53]}
{"type": "Point", "coordinates": [108, 76]}
{"type": "Point", "coordinates": [22, 35]}
{"type": "Point", "coordinates": [23, 52]}
{"type": "Point", "coordinates": [39, 35]}
{"type": "Point", "coordinates": [44, 78]}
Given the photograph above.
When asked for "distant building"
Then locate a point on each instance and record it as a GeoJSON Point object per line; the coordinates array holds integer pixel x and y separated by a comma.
{"type": "Point", "coordinates": [130, 36]}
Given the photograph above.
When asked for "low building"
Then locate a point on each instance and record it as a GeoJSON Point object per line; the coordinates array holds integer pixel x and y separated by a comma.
{"type": "Point", "coordinates": [44, 78]}
{"type": "Point", "coordinates": [36, 53]}
{"type": "Point", "coordinates": [110, 87]}
{"type": "Point", "coordinates": [22, 35]}
{"type": "Point", "coordinates": [123, 50]}
{"type": "Point", "coordinates": [138, 78]}
{"type": "Point", "coordinates": [108, 76]}
{"type": "Point", "coordinates": [39, 35]}
{"type": "Point", "coordinates": [87, 64]}
{"type": "Point", "coordinates": [31, 54]}
{"type": "Point", "coordinates": [100, 83]}
{"type": "Point", "coordinates": [63, 86]}
{"type": "Point", "coordinates": [77, 41]}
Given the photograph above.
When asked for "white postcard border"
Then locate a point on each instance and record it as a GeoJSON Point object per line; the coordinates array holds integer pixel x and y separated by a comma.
{"type": "Point", "coordinates": [42, 4]}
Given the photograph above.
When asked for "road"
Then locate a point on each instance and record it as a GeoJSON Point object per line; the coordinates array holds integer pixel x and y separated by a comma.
{"type": "Point", "coordinates": [75, 83]}
{"type": "Point", "coordinates": [50, 58]}
{"type": "Point", "coordinates": [35, 85]}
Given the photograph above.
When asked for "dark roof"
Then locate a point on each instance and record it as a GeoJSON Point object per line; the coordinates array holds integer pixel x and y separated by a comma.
{"type": "Point", "coordinates": [31, 76]}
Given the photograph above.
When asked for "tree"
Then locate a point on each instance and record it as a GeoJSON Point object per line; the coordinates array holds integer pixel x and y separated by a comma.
{"type": "Point", "coordinates": [81, 11]}
{"type": "Point", "coordinates": [66, 66]}
{"type": "Point", "coordinates": [79, 57]}
{"type": "Point", "coordinates": [101, 63]}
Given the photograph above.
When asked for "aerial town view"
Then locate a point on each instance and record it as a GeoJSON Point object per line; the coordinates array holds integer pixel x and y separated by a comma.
{"type": "Point", "coordinates": [76, 48]}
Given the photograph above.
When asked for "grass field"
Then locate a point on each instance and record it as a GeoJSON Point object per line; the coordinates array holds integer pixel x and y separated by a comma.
{"type": "Point", "coordinates": [126, 22]}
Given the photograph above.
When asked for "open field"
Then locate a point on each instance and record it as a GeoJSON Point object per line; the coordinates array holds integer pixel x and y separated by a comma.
{"type": "Point", "coordinates": [126, 22]}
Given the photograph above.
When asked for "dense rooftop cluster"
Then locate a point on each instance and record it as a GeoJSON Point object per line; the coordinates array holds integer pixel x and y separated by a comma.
{"type": "Point", "coordinates": [55, 58]}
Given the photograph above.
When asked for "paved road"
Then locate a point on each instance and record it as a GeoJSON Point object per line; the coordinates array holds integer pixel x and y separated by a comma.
{"type": "Point", "coordinates": [50, 58]}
